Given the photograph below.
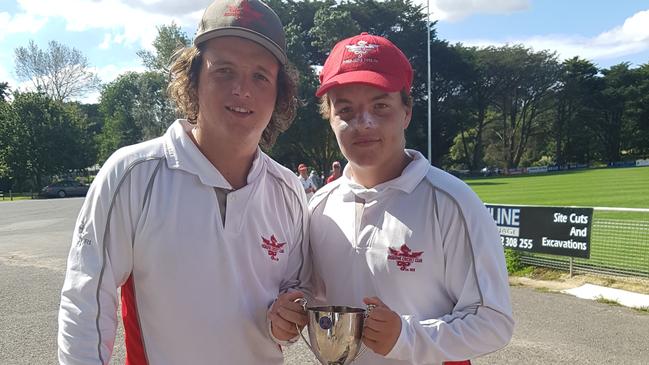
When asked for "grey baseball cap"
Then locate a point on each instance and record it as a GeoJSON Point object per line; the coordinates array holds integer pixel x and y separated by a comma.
{"type": "Point", "coordinates": [250, 19]}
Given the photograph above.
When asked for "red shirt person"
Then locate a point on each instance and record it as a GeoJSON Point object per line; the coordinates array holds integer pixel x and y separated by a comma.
{"type": "Point", "coordinates": [335, 172]}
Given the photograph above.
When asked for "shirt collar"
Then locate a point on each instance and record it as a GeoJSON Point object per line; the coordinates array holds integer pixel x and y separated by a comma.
{"type": "Point", "coordinates": [182, 154]}
{"type": "Point", "coordinates": [410, 177]}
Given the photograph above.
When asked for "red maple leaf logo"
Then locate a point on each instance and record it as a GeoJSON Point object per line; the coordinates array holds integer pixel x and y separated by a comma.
{"type": "Point", "coordinates": [404, 257]}
{"type": "Point", "coordinates": [272, 247]}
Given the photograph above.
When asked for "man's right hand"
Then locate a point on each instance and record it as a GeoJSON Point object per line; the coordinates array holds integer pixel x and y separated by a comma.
{"type": "Point", "coordinates": [285, 314]}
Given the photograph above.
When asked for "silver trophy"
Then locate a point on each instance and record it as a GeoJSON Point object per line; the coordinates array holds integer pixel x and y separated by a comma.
{"type": "Point", "coordinates": [335, 332]}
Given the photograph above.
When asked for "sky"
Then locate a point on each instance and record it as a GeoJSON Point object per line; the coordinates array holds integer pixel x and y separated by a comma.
{"type": "Point", "coordinates": [110, 32]}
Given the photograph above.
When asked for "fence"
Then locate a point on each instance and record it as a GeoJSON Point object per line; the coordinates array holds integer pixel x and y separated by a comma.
{"type": "Point", "coordinates": [619, 245]}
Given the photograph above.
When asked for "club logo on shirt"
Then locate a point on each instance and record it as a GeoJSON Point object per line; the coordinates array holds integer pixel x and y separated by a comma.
{"type": "Point", "coordinates": [81, 231]}
{"type": "Point", "coordinates": [272, 247]}
{"type": "Point", "coordinates": [404, 257]}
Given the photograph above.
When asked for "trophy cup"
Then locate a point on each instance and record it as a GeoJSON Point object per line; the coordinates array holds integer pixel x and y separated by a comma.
{"type": "Point", "coordinates": [335, 332]}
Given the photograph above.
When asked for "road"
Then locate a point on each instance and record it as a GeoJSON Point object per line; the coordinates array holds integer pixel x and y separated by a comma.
{"type": "Point", "coordinates": [35, 235]}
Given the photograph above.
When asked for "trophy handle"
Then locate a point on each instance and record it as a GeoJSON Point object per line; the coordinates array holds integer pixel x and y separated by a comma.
{"type": "Point", "coordinates": [303, 302]}
{"type": "Point", "coordinates": [364, 348]}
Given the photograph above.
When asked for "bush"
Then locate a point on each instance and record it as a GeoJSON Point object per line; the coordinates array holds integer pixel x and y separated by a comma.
{"type": "Point", "coordinates": [513, 260]}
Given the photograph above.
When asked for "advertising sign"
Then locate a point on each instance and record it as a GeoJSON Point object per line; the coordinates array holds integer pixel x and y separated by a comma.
{"type": "Point", "coordinates": [552, 230]}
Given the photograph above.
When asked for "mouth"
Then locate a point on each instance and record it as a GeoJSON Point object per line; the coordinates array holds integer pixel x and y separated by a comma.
{"type": "Point", "coordinates": [362, 142]}
{"type": "Point", "coordinates": [239, 110]}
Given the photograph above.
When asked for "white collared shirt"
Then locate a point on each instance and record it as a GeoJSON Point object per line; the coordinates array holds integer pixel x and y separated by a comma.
{"type": "Point", "coordinates": [194, 289]}
{"type": "Point", "coordinates": [426, 246]}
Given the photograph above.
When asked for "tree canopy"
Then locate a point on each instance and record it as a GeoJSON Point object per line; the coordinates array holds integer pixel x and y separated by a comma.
{"type": "Point", "coordinates": [61, 72]}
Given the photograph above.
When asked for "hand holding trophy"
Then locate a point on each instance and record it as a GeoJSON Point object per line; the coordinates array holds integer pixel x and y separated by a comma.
{"type": "Point", "coordinates": [287, 316]}
{"type": "Point", "coordinates": [382, 327]}
{"type": "Point", "coordinates": [335, 332]}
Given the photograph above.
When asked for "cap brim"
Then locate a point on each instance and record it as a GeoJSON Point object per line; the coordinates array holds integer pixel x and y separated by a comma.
{"type": "Point", "coordinates": [264, 41]}
{"type": "Point", "coordinates": [388, 83]}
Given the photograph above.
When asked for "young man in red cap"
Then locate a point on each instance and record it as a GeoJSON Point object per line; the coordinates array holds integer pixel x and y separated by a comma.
{"type": "Point", "coordinates": [199, 229]}
{"type": "Point", "coordinates": [396, 232]}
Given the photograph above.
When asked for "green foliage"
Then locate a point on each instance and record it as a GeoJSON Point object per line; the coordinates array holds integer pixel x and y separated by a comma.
{"type": "Point", "coordinates": [170, 38]}
{"type": "Point", "coordinates": [40, 137]}
{"type": "Point", "coordinates": [514, 264]}
{"type": "Point", "coordinates": [331, 25]}
{"type": "Point", "coordinates": [4, 91]}
{"type": "Point", "coordinates": [135, 108]}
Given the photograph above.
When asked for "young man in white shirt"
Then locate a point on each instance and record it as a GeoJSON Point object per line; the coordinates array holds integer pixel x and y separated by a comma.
{"type": "Point", "coordinates": [199, 229]}
{"type": "Point", "coordinates": [397, 233]}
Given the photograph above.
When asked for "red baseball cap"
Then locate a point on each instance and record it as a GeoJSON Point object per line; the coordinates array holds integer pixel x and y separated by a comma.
{"type": "Point", "coordinates": [366, 59]}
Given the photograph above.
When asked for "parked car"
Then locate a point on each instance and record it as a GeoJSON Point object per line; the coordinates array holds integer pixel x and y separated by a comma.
{"type": "Point", "coordinates": [64, 188]}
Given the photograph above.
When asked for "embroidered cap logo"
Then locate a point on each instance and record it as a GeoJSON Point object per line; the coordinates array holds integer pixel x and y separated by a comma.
{"type": "Point", "coordinates": [244, 13]}
{"type": "Point", "coordinates": [361, 48]}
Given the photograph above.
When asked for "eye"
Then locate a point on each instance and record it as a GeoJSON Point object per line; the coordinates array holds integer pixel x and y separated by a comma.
{"type": "Point", "coordinates": [261, 77]}
{"type": "Point", "coordinates": [345, 110]}
{"type": "Point", "coordinates": [381, 106]}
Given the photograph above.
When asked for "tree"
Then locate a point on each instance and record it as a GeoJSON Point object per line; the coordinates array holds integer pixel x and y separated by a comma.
{"type": "Point", "coordinates": [522, 100]}
{"type": "Point", "coordinates": [9, 138]}
{"type": "Point", "coordinates": [575, 96]}
{"type": "Point", "coordinates": [4, 91]}
{"type": "Point", "coordinates": [618, 91]}
{"type": "Point", "coordinates": [639, 140]}
{"type": "Point", "coordinates": [61, 72]}
{"type": "Point", "coordinates": [331, 25]}
{"type": "Point", "coordinates": [471, 102]}
{"type": "Point", "coordinates": [135, 108]}
{"type": "Point", "coordinates": [40, 138]}
{"type": "Point", "coordinates": [170, 38]}
{"type": "Point", "coordinates": [117, 105]}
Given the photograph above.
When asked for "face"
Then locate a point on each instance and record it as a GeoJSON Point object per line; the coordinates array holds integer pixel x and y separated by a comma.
{"type": "Point", "coordinates": [369, 124]}
{"type": "Point", "coordinates": [237, 89]}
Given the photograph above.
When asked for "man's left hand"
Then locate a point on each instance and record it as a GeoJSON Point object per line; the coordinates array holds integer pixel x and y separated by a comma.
{"type": "Point", "coordinates": [382, 327]}
{"type": "Point", "coordinates": [286, 315]}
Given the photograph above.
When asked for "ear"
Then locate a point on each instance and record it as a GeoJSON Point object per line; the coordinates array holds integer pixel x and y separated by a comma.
{"type": "Point", "coordinates": [406, 119]}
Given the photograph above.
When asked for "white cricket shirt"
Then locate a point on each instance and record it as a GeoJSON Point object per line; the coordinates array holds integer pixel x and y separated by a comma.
{"type": "Point", "coordinates": [426, 246]}
{"type": "Point", "coordinates": [194, 290]}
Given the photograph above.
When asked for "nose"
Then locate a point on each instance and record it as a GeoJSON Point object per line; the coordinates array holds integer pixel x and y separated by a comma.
{"type": "Point", "coordinates": [364, 120]}
{"type": "Point", "coordinates": [241, 87]}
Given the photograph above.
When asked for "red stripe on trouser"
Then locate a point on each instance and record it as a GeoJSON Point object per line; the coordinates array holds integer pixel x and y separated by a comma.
{"type": "Point", "coordinates": [132, 333]}
{"type": "Point", "coordinates": [465, 362]}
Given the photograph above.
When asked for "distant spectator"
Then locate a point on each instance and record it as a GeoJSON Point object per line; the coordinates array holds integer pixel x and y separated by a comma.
{"type": "Point", "coordinates": [307, 183]}
{"type": "Point", "coordinates": [316, 179]}
{"type": "Point", "coordinates": [335, 172]}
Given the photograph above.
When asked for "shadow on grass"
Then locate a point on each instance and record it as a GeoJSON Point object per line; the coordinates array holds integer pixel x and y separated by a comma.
{"type": "Point", "coordinates": [478, 183]}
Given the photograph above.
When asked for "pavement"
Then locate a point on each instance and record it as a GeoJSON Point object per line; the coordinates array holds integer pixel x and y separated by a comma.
{"type": "Point", "coordinates": [624, 297]}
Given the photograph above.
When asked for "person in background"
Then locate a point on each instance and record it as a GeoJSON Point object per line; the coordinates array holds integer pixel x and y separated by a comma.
{"type": "Point", "coordinates": [335, 172]}
{"type": "Point", "coordinates": [316, 179]}
{"type": "Point", "coordinates": [199, 229]}
{"type": "Point", "coordinates": [307, 183]}
{"type": "Point", "coordinates": [397, 233]}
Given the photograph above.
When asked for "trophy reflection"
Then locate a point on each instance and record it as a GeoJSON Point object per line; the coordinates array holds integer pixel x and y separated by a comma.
{"type": "Point", "coordinates": [335, 333]}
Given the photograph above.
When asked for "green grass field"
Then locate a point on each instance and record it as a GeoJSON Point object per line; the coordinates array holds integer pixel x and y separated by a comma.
{"type": "Point", "coordinates": [618, 239]}
{"type": "Point", "coordinates": [622, 187]}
